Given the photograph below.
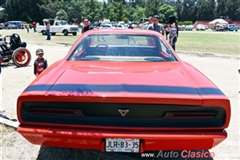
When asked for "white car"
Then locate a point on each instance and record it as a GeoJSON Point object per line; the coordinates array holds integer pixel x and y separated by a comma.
{"type": "Point", "coordinates": [118, 26]}
{"type": "Point", "coordinates": [189, 27]}
{"type": "Point", "coordinates": [201, 27]}
{"type": "Point", "coordinates": [105, 26]}
{"type": "Point", "coordinates": [58, 26]}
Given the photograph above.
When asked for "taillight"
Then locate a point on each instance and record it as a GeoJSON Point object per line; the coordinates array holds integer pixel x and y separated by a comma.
{"type": "Point", "coordinates": [173, 115]}
{"type": "Point", "coordinates": [57, 111]}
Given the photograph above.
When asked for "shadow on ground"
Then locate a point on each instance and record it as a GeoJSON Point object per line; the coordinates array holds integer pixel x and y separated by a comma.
{"type": "Point", "coordinates": [54, 153]}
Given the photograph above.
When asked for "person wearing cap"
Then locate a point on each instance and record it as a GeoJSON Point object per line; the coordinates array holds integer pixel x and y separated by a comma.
{"type": "Point", "coordinates": [156, 26]}
{"type": "Point", "coordinates": [40, 64]}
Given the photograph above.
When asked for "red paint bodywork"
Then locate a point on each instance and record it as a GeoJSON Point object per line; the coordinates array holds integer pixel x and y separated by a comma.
{"type": "Point", "coordinates": [117, 73]}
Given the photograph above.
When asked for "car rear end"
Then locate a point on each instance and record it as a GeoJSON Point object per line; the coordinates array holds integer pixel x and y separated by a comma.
{"type": "Point", "coordinates": [83, 114]}
{"type": "Point", "coordinates": [116, 103]}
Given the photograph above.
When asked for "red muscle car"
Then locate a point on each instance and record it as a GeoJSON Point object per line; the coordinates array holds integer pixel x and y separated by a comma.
{"type": "Point", "coordinates": [123, 90]}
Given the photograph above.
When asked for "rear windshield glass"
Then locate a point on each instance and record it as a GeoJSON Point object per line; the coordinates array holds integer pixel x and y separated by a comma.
{"type": "Point", "coordinates": [122, 47]}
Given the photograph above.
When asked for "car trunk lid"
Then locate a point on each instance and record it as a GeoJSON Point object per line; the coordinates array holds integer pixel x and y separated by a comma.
{"type": "Point", "coordinates": [154, 83]}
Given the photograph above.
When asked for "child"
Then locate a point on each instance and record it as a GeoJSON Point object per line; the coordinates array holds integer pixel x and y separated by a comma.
{"type": "Point", "coordinates": [40, 63]}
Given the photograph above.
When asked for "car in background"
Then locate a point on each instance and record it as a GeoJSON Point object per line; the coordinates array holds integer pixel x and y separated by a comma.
{"type": "Point", "coordinates": [121, 22]}
{"type": "Point", "coordinates": [9, 25]}
{"type": "Point", "coordinates": [181, 27]}
{"type": "Point", "coordinates": [18, 24]}
{"type": "Point", "coordinates": [201, 27]}
{"type": "Point", "coordinates": [118, 26]}
{"type": "Point", "coordinates": [134, 25]}
{"type": "Point", "coordinates": [1, 25]}
{"type": "Point", "coordinates": [232, 27]}
{"type": "Point", "coordinates": [58, 26]}
{"type": "Point", "coordinates": [96, 24]}
{"type": "Point", "coordinates": [125, 92]}
{"type": "Point", "coordinates": [105, 26]}
{"type": "Point", "coordinates": [206, 27]}
{"type": "Point", "coordinates": [144, 25]}
{"type": "Point", "coordinates": [189, 27]}
{"type": "Point", "coordinates": [219, 27]}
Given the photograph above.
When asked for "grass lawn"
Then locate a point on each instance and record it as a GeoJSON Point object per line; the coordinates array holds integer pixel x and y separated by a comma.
{"type": "Point", "coordinates": [209, 41]}
{"type": "Point", "coordinates": [192, 41]}
{"type": "Point", "coordinates": [38, 38]}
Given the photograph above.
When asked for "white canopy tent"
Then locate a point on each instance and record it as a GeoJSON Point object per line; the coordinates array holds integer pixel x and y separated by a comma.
{"type": "Point", "coordinates": [218, 21]}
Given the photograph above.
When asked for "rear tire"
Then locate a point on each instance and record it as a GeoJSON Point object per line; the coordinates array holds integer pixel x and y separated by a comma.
{"type": "Point", "coordinates": [21, 57]}
{"type": "Point", "coordinates": [65, 32]}
{"type": "Point", "coordinates": [74, 33]}
{"type": "Point", "coordinates": [44, 32]}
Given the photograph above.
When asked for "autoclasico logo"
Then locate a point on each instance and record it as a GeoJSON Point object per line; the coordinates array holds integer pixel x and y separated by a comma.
{"type": "Point", "coordinates": [183, 154]}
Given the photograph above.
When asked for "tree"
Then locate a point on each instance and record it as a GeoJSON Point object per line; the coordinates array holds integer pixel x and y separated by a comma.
{"type": "Point", "coordinates": [178, 8]}
{"type": "Point", "coordinates": [237, 17]}
{"type": "Point", "coordinates": [118, 10]}
{"type": "Point", "coordinates": [104, 11]}
{"type": "Point", "coordinates": [92, 9]}
{"type": "Point", "coordinates": [118, 1]}
{"type": "Point", "coordinates": [205, 10]}
{"type": "Point", "coordinates": [48, 8]}
{"type": "Point", "coordinates": [115, 12]}
{"type": "Point", "coordinates": [188, 10]}
{"type": "Point", "coordinates": [22, 10]}
{"type": "Point", "coordinates": [139, 3]}
{"type": "Point", "coordinates": [232, 7]}
{"type": "Point", "coordinates": [74, 9]}
{"type": "Point", "coordinates": [138, 14]}
{"type": "Point", "coordinates": [62, 15]}
{"type": "Point", "coordinates": [165, 11]}
{"type": "Point", "coordinates": [152, 7]}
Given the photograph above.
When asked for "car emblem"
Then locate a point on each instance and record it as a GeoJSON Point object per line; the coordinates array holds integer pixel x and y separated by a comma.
{"type": "Point", "coordinates": [123, 112]}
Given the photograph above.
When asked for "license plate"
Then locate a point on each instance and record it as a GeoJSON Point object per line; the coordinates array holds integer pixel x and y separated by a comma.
{"type": "Point", "coordinates": [122, 145]}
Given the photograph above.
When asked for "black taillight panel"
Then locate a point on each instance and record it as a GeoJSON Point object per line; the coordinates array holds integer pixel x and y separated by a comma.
{"type": "Point", "coordinates": [123, 115]}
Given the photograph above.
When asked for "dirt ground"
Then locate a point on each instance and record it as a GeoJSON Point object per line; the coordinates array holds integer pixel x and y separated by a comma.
{"type": "Point", "coordinates": [222, 70]}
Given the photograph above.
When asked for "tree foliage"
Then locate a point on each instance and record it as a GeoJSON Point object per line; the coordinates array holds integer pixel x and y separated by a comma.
{"type": "Point", "coordinates": [165, 11]}
{"type": "Point", "coordinates": [118, 10]}
{"type": "Point", "coordinates": [62, 14]}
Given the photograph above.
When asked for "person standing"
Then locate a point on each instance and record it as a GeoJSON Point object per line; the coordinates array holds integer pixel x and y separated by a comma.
{"type": "Point", "coordinates": [34, 24]}
{"type": "Point", "coordinates": [86, 25]}
{"type": "Point", "coordinates": [167, 30]}
{"type": "Point", "coordinates": [48, 30]}
{"type": "Point", "coordinates": [1, 61]}
{"type": "Point", "coordinates": [173, 36]}
{"type": "Point", "coordinates": [40, 64]}
{"type": "Point", "coordinates": [130, 26]}
{"type": "Point", "coordinates": [1, 35]}
{"type": "Point", "coordinates": [156, 26]}
{"type": "Point", "coordinates": [150, 20]}
{"type": "Point", "coordinates": [27, 27]}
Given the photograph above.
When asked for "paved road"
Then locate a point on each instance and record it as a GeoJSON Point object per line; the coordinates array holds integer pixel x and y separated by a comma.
{"type": "Point", "coordinates": [220, 69]}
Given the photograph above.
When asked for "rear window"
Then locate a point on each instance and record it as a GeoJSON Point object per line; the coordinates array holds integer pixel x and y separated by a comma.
{"type": "Point", "coordinates": [122, 47]}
